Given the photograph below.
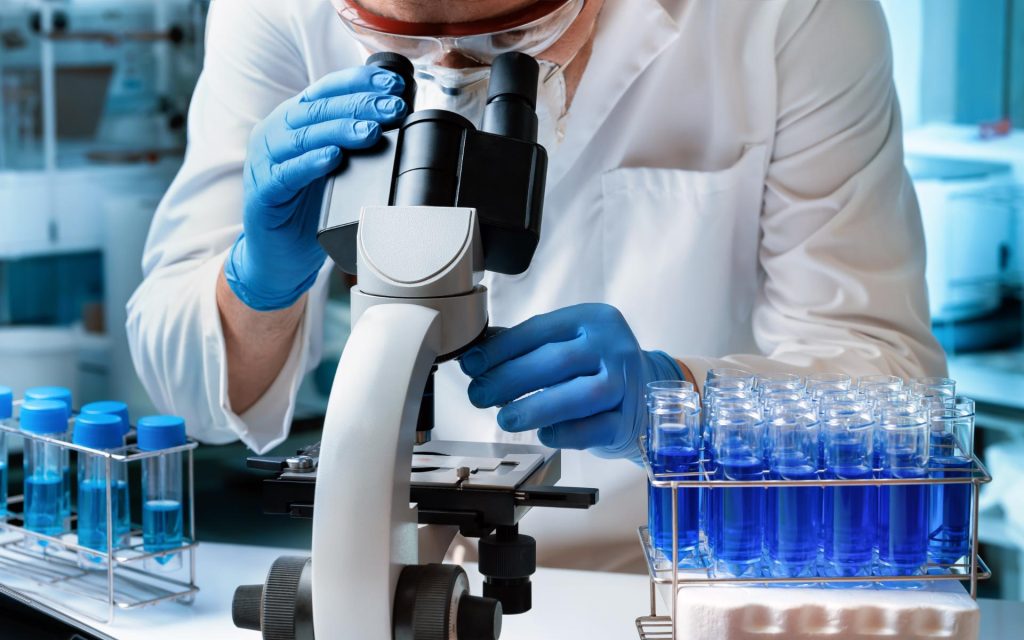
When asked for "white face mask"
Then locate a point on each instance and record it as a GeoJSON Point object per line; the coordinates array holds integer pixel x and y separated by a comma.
{"type": "Point", "coordinates": [464, 91]}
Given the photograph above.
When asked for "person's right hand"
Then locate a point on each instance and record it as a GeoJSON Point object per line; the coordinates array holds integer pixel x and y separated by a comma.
{"type": "Point", "coordinates": [276, 258]}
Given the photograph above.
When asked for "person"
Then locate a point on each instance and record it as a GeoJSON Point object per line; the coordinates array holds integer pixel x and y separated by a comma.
{"type": "Point", "coordinates": [725, 188]}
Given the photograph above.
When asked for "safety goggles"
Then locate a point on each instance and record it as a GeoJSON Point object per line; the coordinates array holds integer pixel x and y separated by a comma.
{"type": "Point", "coordinates": [529, 30]}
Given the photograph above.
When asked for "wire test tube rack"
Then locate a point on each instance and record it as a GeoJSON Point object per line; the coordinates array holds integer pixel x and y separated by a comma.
{"type": "Point", "coordinates": [121, 580]}
{"type": "Point", "coordinates": [667, 571]}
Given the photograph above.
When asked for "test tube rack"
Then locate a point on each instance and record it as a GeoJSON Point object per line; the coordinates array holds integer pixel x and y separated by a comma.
{"type": "Point", "coordinates": [121, 581]}
{"type": "Point", "coordinates": [663, 570]}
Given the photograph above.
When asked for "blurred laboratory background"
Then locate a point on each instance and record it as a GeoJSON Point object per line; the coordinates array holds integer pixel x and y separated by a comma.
{"type": "Point", "coordinates": [93, 102]}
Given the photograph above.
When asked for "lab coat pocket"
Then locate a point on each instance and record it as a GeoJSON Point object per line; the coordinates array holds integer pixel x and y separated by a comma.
{"type": "Point", "coordinates": [680, 253]}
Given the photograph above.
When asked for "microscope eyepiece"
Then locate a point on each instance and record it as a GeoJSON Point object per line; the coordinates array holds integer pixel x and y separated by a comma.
{"type": "Point", "coordinates": [399, 64]}
{"type": "Point", "coordinates": [512, 97]}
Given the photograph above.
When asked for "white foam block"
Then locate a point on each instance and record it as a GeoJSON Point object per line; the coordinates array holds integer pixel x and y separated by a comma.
{"type": "Point", "coordinates": [941, 610]}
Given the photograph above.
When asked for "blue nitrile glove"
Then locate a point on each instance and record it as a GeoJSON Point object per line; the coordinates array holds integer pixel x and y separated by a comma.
{"type": "Point", "coordinates": [276, 258]}
{"type": "Point", "coordinates": [589, 374]}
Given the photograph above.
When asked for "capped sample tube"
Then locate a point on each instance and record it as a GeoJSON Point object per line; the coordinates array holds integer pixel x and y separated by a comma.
{"type": "Point", "coordinates": [162, 492]}
{"type": "Point", "coordinates": [45, 470]}
{"type": "Point", "coordinates": [97, 490]}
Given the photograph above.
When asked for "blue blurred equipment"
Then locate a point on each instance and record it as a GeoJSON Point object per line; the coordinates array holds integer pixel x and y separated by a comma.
{"type": "Point", "coordinates": [276, 258]}
{"type": "Point", "coordinates": [589, 373]}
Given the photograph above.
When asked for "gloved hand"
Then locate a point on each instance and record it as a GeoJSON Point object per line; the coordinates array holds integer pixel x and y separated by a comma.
{"type": "Point", "coordinates": [589, 374]}
{"type": "Point", "coordinates": [276, 258]}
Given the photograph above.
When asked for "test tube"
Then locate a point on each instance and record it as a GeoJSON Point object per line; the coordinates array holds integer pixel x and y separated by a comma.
{"type": "Point", "coordinates": [849, 512]}
{"type": "Point", "coordinates": [102, 432]}
{"type": "Point", "coordinates": [736, 517]}
{"type": "Point", "coordinates": [655, 388]}
{"type": "Point", "coordinates": [6, 413]}
{"type": "Point", "coordinates": [903, 509]}
{"type": "Point", "coordinates": [675, 433]}
{"type": "Point", "coordinates": [949, 519]}
{"type": "Point", "coordinates": [732, 393]}
{"type": "Point", "coordinates": [162, 520]}
{"type": "Point", "coordinates": [112, 408]}
{"type": "Point", "coordinates": [942, 389]}
{"type": "Point", "coordinates": [62, 395]}
{"type": "Point", "coordinates": [793, 514]}
{"type": "Point", "coordinates": [777, 381]}
{"type": "Point", "coordinates": [44, 472]}
{"type": "Point", "coordinates": [828, 379]}
{"type": "Point", "coordinates": [893, 383]}
{"type": "Point", "coordinates": [726, 373]}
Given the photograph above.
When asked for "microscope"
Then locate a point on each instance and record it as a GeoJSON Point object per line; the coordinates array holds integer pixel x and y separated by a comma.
{"type": "Point", "coordinates": [445, 203]}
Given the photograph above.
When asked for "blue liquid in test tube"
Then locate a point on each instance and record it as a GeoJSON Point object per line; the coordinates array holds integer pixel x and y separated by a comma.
{"type": "Point", "coordinates": [903, 509]}
{"type": "Point", "coordinates": [162, 518]}
{"type": "Point", "coordinates": [674, 415]}
{"type": "Point", "coordinates": [104, 433]}
{"type": "Point", "coordinates": [949, 521]}
{"type": "Point", "coordinates": [6, 413]}
{"type": "Point", "coordinates": [793, 514]}
{"type": "Point", "coordinates": [46, 484]}
{"type": "Point", "coordinates": [736, 516]}
{"type": "Point", "coordinates": [849, 513]}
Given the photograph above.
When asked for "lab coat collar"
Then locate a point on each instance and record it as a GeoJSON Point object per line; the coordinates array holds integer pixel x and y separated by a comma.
{"type": "Point", "coordinates": [630, 35]}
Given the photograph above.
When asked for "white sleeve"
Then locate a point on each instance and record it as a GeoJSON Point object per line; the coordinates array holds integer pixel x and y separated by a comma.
{"type": "Point", "coordinates": [174, 331]}
{"type": "Point", "coordinates": [842, 249]}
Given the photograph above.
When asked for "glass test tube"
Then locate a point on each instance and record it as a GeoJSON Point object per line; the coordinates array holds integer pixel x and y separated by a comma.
{"type": "Point", "coordinates": [735, 395]}
{"type": "Point", "coordinates": [849, 512]}
{"type": "Point", "coordinates": [827, 379]}
{"type": "Point", "coordinates": [736, 516]}
{"type": "Point", "coordinates": [793, 514]}
{"type": "Point", "coordinates": [63, 395]}
{"type": "Point", "coordinates": [162, 519]}
{"type": "Point", "coordinates": [6, 412]}
{"type": "Point", "coordinates": [101, 432]}
{"type": "Point", "coordinates": [658, 387]}
{"type": "Point", "coordinates": [902, 509]}
{"type": "Point", "coordinates": [949, 519]}
{"type": "Point", "coordinates": [45, 487]}
{"type": "Point", "coordinates": [675, 449]}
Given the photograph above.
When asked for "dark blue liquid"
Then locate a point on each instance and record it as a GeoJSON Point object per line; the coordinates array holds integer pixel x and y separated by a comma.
{"type": "Point", "coordinates": [949, 520]}
{"type": "Point", "coordinates": [737, 516]}
{"type": "Point", "coordinates": [848, 528]}
{"type": "Point", "coordinates": [675, 460]}
{"type": "Point", "coordinates": [44, 501]}
{"type": "Point", "coordinates": [161, 527]}
{"type": "Point", "coordinates": [3, 489]}
{"type": "Point", "coordinates": [92, 514]}
{"type": "Point", "coordinates": [902, 524]}
{"type": "Point", "coordinates": [793, 522]}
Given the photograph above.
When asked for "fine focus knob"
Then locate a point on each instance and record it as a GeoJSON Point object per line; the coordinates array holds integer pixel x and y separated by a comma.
{"type": "Point", "coordinates": [282, 607]}
{"type": "Point", "coordinates": [433, 599]}
{"type": "Point", "coordinates": [479, 618]}
{"type": "Point", "coordinates": [507, 560]}
{"type": "Point", "coordinates": [246, 605]}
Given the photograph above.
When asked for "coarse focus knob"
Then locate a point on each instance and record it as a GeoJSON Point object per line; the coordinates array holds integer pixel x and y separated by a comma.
{"type": "Point", "coordinates": [479, 618]}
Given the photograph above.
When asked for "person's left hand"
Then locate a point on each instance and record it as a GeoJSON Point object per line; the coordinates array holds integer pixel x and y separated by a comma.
{"type": "Point", "coordinates": [588, 373]}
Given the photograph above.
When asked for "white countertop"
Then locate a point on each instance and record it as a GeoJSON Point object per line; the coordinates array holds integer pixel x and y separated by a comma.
{"type": "Point", "coordinates": [567, 604]}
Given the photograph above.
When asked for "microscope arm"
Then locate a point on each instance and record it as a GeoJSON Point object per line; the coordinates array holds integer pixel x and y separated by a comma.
{"type": "Point", "coordinates": [364, 529]}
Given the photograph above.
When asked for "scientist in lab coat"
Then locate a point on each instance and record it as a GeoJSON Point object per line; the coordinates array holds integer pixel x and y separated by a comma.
{"type": "Point", "coordinates": [726, 189]}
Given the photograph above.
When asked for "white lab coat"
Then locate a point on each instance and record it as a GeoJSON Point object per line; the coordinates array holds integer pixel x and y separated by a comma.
{"type": "Point", "coordinates": [731, 179]}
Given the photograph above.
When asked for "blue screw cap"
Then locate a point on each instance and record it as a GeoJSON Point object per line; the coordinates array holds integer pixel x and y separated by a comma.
{"type": "Point", "coordinates": [160, 432]}
{"type": "Point", "coordinates": [44, 417]}
{"type": "Point", "coordinates": [6, 403]}
{"type": "Point", "coordinates": [62, 394]}
{"type": "Point", "coordinates": [112, 408]}
{"type": "Point", "coordinates": [98, 431]}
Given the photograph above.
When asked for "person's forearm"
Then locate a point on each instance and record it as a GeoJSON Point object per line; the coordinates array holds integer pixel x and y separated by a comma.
{"type": "Point", "coordinates": [257, 344]}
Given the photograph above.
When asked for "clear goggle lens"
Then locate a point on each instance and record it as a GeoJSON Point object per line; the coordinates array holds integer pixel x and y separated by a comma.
{"type": "Point", "coordinates": [427, 44]}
